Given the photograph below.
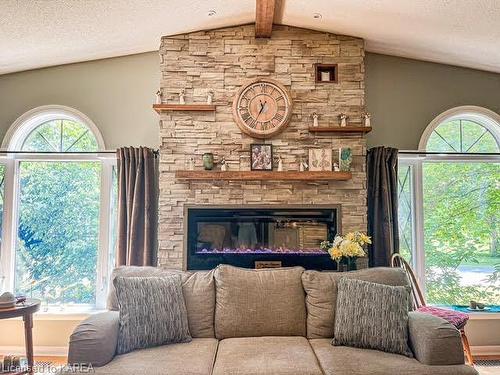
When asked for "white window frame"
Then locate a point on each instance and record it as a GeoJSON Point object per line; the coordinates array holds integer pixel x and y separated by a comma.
{"type": "Point", "coordinates": [13, 141]}
{"type": "Point", "coordinates": [485, 117]}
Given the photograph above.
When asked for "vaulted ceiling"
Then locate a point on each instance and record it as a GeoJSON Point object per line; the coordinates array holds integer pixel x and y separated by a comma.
{"type": "Point", "coordinates": [39, 33]}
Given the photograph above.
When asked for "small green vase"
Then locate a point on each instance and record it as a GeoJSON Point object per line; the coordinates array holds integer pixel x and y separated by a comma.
{"type": "Point", "coordinates": [351, 264]}
{"type": "Point", "coordinates": [208, 161]}
{"type": "Point", "coordinates": [347, 264]}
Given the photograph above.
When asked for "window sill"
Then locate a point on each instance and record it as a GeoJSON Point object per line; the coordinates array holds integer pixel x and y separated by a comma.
{"type": "Point", "coordinates": [68, 314]}
{"type": "Point", "coordinates": [484, 316]}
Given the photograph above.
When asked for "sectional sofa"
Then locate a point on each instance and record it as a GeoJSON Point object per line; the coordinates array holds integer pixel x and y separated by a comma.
{"type": "Point", "coordinates": [272, 321]}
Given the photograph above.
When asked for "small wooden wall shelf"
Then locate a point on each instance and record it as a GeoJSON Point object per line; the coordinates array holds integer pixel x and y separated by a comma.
{"type": "Point", "coordinates": [263, 176]}
{"type": "Point", "coordinates": [340, 129]}
{"type": "Point", "coordinates": [183, 107]}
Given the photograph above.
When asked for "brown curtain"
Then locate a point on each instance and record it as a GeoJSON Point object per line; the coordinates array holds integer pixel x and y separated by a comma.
{"type": "Point", "coordinates": [382, 169]}
{"type": "Point", "coordinates": [137, 207]}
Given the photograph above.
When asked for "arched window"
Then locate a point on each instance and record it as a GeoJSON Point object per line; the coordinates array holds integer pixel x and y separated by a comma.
{"type": "Point", "coordinates": [57, 242]}
{"type": "Point", "coordinates": [466, 129]}
{"type": "Point", "coordinates": [449, 207]}
{"type": "Point", "coordinates": [53, 128]}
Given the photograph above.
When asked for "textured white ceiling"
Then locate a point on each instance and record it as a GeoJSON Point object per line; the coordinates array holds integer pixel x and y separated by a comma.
{"type": "Point", "coordinates": [38, 33]}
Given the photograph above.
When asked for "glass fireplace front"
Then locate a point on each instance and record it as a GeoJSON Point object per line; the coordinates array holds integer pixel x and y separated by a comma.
{"type": "Point", "coordinates": [245, 237]}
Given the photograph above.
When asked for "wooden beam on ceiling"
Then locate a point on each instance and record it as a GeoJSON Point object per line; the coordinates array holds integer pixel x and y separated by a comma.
{"type": "Point", "coordinates": [264, 16]}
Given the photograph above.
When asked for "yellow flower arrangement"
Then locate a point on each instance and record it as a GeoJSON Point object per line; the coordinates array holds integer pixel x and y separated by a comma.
{"type": "Point", "coordinates": [349, 246]}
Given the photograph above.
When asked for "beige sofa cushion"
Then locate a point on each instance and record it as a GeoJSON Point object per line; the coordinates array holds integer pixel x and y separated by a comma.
{"type": "Point", "coordinates": [194, 358]}
{"type": "Point", "coordinates": [321, 294]}
{"type": "Point", "coordinates": [343, 360]}
{"type": "Point", "coordinates": [198, 289]}
{"type": "Point", "coordinates": [267, 302]}
{"type": "Point", "coordinates": [199, 294]}
{"type": "Point", "coordinates": [266, 355]}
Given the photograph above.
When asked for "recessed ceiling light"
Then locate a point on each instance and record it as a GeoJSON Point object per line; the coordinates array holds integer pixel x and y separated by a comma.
{"type": "Point", "coordinates": [211, 13]}
{"type": "Point", "coordinates": [317, 16]}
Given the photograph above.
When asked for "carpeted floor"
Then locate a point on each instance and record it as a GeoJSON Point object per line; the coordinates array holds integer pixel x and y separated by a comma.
{"type": "Point", "coordinates": [488, 367]}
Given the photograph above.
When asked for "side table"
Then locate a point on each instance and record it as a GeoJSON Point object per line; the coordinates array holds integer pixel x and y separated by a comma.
{"type": "Point", "coordinates": [26, 310]}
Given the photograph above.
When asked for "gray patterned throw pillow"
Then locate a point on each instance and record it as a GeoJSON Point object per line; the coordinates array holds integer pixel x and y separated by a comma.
{"type": "Point", "coordinates": [372, 316]}
{"type": "Point", "coordinates": [152, 312]}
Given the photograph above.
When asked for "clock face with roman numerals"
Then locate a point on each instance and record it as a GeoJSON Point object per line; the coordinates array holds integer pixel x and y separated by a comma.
{"type": "Point", "coordinates": [262, 108]}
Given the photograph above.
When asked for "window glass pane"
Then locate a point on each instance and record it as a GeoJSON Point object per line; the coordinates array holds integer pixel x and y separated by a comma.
{"type": "Point", "coordinates": [445, 138]}
{"type": "Point", "coordinates": [461, 136]}
{"type": "Point", "coordinates": [2, 185]}
{"type": "Point", "coordinates": [405, 212]}
{"type": "Point", "coordinates": [58, 231]}
{"type": "Point", "coordinates": [462, 232]}
{"type": "Point", "coordinates": [60, 136]}
{"type": "Point", "coordinates": [113, 217]}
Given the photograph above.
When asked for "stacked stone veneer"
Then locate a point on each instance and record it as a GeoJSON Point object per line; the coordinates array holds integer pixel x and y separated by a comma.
{"type": "Point", "coordinates": [222, 60]}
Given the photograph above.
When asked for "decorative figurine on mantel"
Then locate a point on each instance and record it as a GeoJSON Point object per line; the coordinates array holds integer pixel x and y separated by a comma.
{"type": "Point", "coordinates": [159, 97]}
{"type": "Point", "coordinates": [367, 119]}
{"type": "Point", "coordinates": [315, 120]}
{"type": "Point", "coordinates": [223, 164]}
{"type": "Point", "coordinates": [280, 164]}
{"type": "Point", "coordinates": [343, 119]}
{"type": "Point", "coordinates": [191, 164]}
{"type": "Point", "coordinates": [210, 96]}
{"type": "Point", "coordinates": [182, 95]}
{"type": "Point", "coordinates": [302, 165]}
{"type": "Point", "coordinates": [336, 167]}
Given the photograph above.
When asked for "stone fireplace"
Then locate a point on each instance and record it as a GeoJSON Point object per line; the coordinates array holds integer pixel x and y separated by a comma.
{"type": "Point", "coordinates": [220, 61]}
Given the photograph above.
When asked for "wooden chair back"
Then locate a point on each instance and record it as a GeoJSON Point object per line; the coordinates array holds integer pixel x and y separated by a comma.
{"type": "Point", "coordinates": [418, 297]}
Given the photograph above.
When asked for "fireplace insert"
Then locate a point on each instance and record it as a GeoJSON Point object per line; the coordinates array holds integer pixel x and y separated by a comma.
{"type": "Point", "coordinates": [255, 236]}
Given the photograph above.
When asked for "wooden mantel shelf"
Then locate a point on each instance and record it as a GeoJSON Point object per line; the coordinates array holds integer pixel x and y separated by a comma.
{"type": "Point", "coordinates": [183, 107]}
{"type": "Point", "coordinates": [340, 129]}
{"type": "Point", "coordinates": [263, 176]}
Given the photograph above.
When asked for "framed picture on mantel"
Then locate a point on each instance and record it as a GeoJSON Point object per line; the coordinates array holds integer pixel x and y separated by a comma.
{"type": "Point", "coordinates": [261, 157]}
{"type": "Point", "coordinates": [320, 159]}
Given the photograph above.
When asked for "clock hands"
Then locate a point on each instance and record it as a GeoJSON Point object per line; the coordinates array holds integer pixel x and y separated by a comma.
{"type": "Point", "coordinates": [262, 106]}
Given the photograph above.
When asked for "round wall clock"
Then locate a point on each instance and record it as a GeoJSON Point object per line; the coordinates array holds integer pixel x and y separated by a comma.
{"type": "Point", "coordinates": [262, 108]}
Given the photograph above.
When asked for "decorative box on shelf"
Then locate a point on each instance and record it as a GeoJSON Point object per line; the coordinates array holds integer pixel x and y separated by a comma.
{"type": "Point", "coordinates": [183, 107]}
{"type": "Point", "coordinates": [263, 175]}
{"type": "Point", "coordinates": [326, 73]}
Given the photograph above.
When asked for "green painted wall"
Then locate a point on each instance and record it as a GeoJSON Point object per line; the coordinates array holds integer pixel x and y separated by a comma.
{"type": "Point", "coordinates": [115, 93]}
{"type": "Point", "coordinates": [405, 95]}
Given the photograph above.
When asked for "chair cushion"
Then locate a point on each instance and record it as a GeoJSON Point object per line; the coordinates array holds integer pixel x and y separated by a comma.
{"type": "Point", "coordinates": [456, 318]}
{"type": "Point", "coordinates": [152, 312]}
{"type": "Point", "coordinates": [266, 302]}
{"type": "Point", "coordinates": [266, 355]}
{"type": "Point", "coordinates": [193, 358]}
{"type": "Point", "coordinates": [321, 294]}
{"type": "Point", "coordinates": [343, 360]}
{"type": "Point", "coordinates": [372, 316]}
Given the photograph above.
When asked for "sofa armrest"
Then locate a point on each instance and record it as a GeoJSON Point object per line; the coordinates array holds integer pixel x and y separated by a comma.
{"type": "Point", "coordinates": [434, 341]}
{"type": "Point", "coordinates": [94, 340]}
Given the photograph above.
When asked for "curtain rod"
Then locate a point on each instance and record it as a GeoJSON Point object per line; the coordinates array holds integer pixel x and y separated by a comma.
{"type": "Point", "coordinates": [155, 152]}
{"type": "Point", "coordinates": [411, 152]}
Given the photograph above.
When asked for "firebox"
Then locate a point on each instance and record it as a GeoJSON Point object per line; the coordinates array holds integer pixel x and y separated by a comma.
{"type": "Point", "coordinates": [254, 236]}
